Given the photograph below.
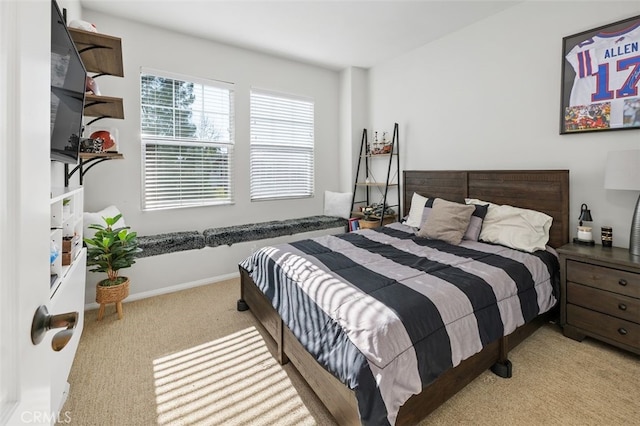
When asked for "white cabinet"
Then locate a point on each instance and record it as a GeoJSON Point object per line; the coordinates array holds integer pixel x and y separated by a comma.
{"type": "Point", "coordinates": [67, 284]}
{"type": "Point", "coordinates": [66, 232]}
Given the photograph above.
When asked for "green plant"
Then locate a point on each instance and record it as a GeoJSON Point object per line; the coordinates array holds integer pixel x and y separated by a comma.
{"type": "Point", "coordinates": [111, 250]}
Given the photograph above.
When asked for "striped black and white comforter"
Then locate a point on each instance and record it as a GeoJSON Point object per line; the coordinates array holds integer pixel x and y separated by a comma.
{"type": "Point", "coordinates": [387, 312]}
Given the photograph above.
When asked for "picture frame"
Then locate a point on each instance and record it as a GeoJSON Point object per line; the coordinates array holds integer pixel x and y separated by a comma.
{"type": "Point", "coordinates": [600, 87]}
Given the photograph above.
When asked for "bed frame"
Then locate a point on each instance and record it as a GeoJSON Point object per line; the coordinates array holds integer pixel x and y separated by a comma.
{"type": "Point", "coordinates": [542, 190]}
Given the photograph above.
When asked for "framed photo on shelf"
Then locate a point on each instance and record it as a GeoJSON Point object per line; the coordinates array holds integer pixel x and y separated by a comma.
{"type": "Point", "coordinates": [601, 78]}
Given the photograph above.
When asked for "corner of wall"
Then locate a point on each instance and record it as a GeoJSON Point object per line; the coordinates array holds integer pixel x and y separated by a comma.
{"type": "Point", "coordinates": [354, 116]}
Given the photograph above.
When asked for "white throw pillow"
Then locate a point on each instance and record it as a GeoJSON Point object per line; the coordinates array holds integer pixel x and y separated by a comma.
{"type": "Point", "coordinates": [415, 211]}
{"type": "Point", "coordinates": [480, 202]}
{"type": "Point", "coordinates": [97, 218]}
{"type": "Point", "coordinates": [522, 229]}
{"type": "Point", "coordinates": [338, 204]}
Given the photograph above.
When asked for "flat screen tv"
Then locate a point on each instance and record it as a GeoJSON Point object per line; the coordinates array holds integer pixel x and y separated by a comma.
{"type": "Point", "coordinates": [68, 78]}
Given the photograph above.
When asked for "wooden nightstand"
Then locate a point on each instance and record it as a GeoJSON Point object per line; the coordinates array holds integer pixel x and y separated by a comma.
{"type": "Point", "coordinates": [600, 295]}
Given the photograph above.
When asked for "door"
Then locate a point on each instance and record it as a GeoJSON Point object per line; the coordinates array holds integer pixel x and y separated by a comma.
{"type": "Point", "coordinates": [25, 388]}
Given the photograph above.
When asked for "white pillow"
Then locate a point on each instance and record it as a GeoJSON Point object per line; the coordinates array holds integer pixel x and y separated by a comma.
{"type": "Point", "coordinates": [415, 211]}
{"type": "Point", "coordinates": [521, 229]}
{"type": "Point", "coordinates": [480, 202]}
{"type": "Point", "coordinates": [338, 204]}
{"type": "Point", "coordinates": [97, 218]}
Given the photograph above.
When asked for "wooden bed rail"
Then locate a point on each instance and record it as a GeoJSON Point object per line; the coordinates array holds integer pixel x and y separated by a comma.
{"type": "Point", "coordinates": [341, 401]}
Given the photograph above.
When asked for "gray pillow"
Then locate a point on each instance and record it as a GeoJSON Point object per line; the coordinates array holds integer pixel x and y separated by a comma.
{"type": "Point", "coordinates": [475, 224]}
{"type": "Point", "coordinates": [447, 221]}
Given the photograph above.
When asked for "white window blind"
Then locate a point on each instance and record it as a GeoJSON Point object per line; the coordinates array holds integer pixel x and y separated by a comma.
{"type": "Point", "coordinates": [282, 139]}
{"type": "Point", "coordinates": [187, 132]}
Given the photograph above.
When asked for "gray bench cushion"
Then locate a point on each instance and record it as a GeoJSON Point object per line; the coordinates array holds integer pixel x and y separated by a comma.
{"type": "Point", "coordinates": [153, 245]}
{"type": "Point", "coordinates": [259, 231]}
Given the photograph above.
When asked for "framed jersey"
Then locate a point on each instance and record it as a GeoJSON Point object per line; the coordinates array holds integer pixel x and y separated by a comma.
{"type": "Point", "coordinates": [601, 78]}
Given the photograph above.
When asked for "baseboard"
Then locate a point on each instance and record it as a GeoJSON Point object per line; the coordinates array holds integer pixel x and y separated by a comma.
{"type": "Point", "coordinates": [170, 289]}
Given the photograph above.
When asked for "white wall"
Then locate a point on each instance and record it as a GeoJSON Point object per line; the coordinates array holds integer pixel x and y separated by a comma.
{"type": "Point", "coordinates": [487, 97]}
{"type": "Point", "coordinates": [118, 182]}
{"type": "Point", "coordinates": [73, 9]}
{"type": "Point", "coordinates": [354, 110]}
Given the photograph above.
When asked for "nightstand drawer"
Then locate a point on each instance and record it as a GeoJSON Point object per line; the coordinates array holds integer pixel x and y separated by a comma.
{"type": "Point", "coordinates": [616, 329]}
{"type": "Point", "coordinates": [615, 280]}
{"type": "Point", "coordinates": [613, 304]}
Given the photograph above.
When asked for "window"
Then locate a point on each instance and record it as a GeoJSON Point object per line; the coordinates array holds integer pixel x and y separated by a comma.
{"type": "Point", "coordinates": [187, 130]}
{"type": "Point", "coordinates": [281, 146]}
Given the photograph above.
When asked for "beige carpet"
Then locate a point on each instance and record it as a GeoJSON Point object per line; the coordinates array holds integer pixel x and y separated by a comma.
{"type": "Point", "coordinates": [189, 358]}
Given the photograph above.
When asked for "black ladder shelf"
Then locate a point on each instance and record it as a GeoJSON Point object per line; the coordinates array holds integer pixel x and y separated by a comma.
{"type": "Point", "coordinates": [369, 154]}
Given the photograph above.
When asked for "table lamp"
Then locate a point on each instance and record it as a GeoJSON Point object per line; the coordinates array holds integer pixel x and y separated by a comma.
{"type": "Point", "coordinates": [622, 172]}
{"type": "Point", "coordinates": [585, 237]}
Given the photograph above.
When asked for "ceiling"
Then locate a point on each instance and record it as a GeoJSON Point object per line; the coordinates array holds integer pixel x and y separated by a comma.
{"type": "Point", "coordinates": [330, 33]}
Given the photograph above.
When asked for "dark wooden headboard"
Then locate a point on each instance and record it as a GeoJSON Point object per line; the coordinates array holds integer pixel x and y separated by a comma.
{"type": "Point", "coordinates": [546, 191]}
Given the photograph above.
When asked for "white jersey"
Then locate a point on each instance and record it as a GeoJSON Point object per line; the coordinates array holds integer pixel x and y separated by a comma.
{"type": "Point", "coordinates": [607, 68]}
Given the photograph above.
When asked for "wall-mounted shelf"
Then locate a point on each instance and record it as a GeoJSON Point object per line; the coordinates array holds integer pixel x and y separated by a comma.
{"type": "Point", "coordinates": [100, 53]}
{"type": "Point", "coordinates": [86, 161]}
{"type": "Point", "coordinates": [86, 156]}
{"type": "Point", "coordinates": [103, 107]}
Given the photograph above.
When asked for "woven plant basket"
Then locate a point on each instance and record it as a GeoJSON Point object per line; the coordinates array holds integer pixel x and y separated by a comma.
{"type": "Point", "coordinates": [112, 294]}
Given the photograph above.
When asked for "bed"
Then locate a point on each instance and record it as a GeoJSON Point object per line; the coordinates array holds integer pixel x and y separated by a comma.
{"type": "Point", "coordinates": [292, 308]}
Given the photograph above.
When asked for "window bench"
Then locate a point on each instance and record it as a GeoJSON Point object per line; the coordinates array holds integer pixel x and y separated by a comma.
{"type": "Point", "coordinates": [180, 260]}
{"type": "Point", "coordinates": [153, 245]}
{"type": "Point", "coordinates": [259, 231]}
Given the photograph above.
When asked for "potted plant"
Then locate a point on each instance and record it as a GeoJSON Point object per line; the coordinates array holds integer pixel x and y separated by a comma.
{"type": "Point", "coordinates": [110, 250]}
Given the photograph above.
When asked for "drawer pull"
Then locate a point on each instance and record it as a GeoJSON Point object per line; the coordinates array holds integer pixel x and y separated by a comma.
{"type": "Point", "coordinates": [622, 282]}
{"type": "Point", "coordinates": [622, 307]}
{"type": "Point", "coordinates": [622, 331]}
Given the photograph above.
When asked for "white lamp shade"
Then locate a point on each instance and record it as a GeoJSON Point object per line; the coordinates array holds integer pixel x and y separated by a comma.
{"type": "Point", "coordinates": [623, 170]}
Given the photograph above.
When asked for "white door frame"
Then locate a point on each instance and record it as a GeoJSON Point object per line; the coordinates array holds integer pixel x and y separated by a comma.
{"type": "Point", "coordinates": [8, 293]}
{"type": "Point", "coordinates": [25, 182]}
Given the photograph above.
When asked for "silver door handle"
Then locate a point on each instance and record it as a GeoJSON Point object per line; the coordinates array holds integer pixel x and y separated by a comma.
{"type": "Point", "coordinates": [43, 322]}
